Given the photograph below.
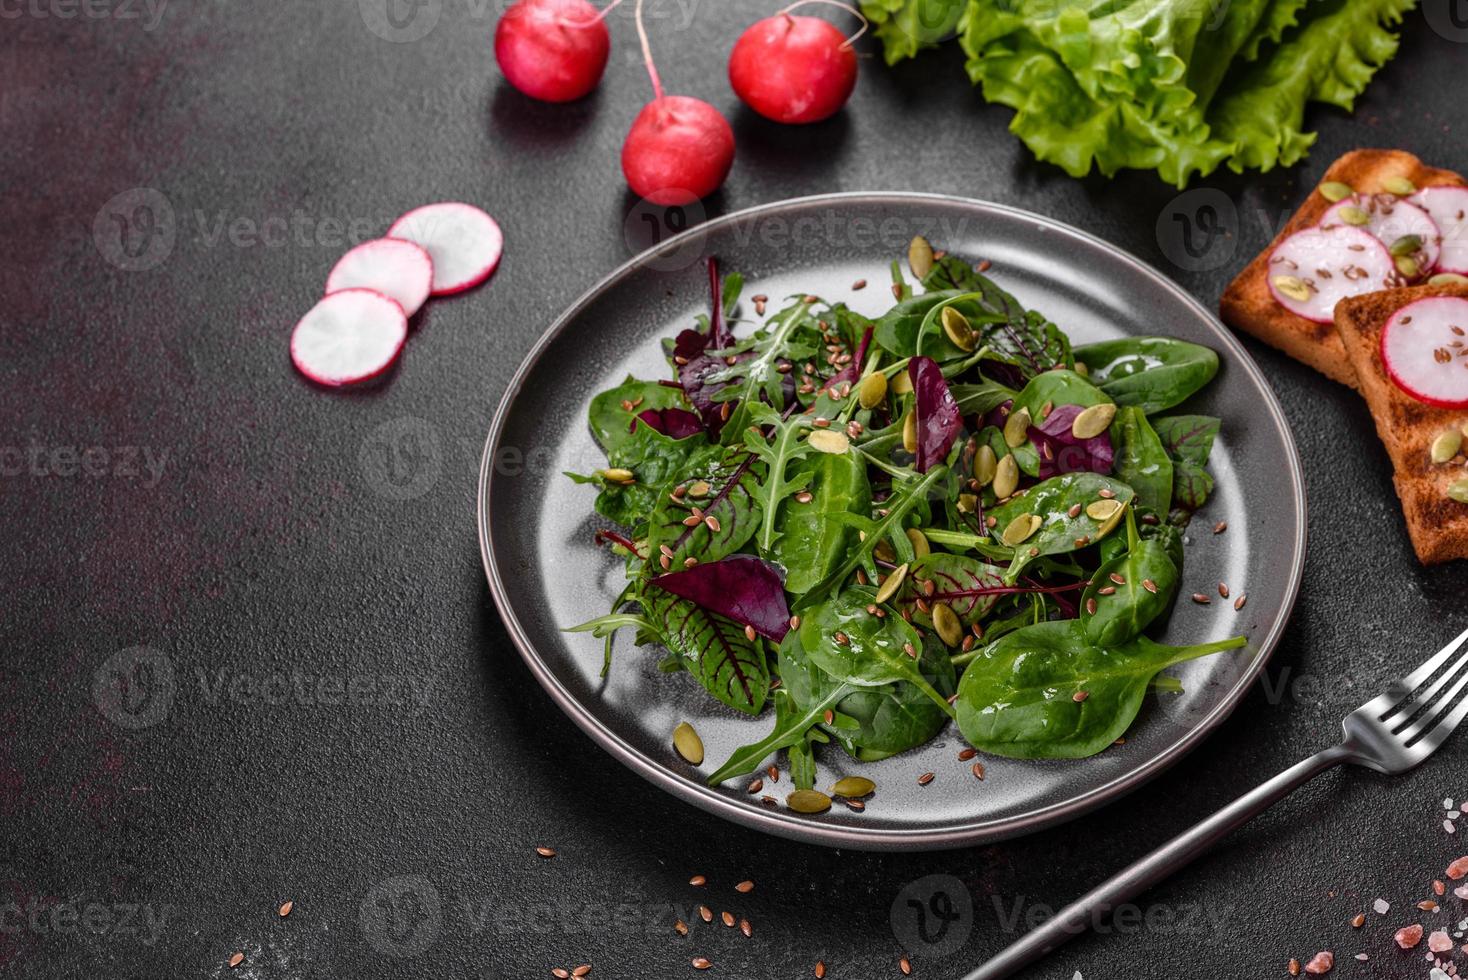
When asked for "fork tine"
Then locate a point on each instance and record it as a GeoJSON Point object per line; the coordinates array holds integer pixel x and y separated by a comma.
{"type": "Point", "coordinates": [1428, 719]}
{"type": "Point", "coordinates": [1399, 692]}
{"type": "Point", "coordinates": [1411, 707]}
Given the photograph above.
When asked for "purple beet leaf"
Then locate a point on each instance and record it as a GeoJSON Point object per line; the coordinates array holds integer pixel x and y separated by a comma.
{"type": "Point", "coordinates": [743, 588]}
{"type": "Point", "coordinates": [676, 423]}
{"type": "Point", "coordinates": [1061, 452]}
{"type": "Point", "coordinates": [938, 417]}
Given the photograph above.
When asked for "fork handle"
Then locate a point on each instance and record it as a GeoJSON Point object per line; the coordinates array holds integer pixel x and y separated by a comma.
{"type": "Point", "coordinates": [1126, 885]}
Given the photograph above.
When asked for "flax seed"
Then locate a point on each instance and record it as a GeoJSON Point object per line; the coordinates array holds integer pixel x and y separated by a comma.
{"type": "Point", "coordinates": [773, 773]}
{"type": "Point", "coordinates": [698, 881]}
{"type": "Point", "coordinates": [705, 913]}
{"type": "Point", "coordinates": [746, 928]}
{"type": "Point", "coordinates": [546, 852]}
{"type": "Point", "coordinates": [967, 754]}
{"type": "Point", "coordinates": [978, 770]}
{"type": "Point", "coordinates": [1220, 527]}
{"type": "Point", "coordinates": [821, 964]}
{"type": "Point", "coordinates": [1149, 585]}
{"type": "Point", "coordinates": [680, 927]}
{"type": "Point", "coordinates": [749, 633]}
{"type": "Point", "coordinates": [236, 960]}
{"type": "Point", "coordinates": [905, 966]}
{"type": "Point", "coordinates": [756, 786]}
{"type": "Point", "coordinates": [285, 909]}
{"type": "Point", "coordinates": [1201, 599]}
{"type": "Point", "coordinates": [1109, 590]}
{"type": "Point", "coordinates": [1222, 590]}
{"type": "Point", "coordinates": [581, 970]}
{"type": "Point", "coordinates": [1091, 606]}
{"type": "Point", "coordinates": [700, 963]}
{"type": "Point", "coordinates": [744, 887]}
{"type": "Point", "coordinates": [926, 778]}
{"type": "Point", "coordinates": [1080, 696]}
{"type": "Point", "coordinates": [560, 973]}
{"type": "Point", "coordinates": [728, 919]}
{"type": "Point", "coordinates": [1118, 578]}
{"type": "Point", "coordinates": [1239, 602]}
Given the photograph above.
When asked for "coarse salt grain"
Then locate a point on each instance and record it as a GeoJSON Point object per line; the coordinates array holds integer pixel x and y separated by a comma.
{"type": "Point", "coordinates": [1408, 937]}
{"type": "Point", "coordinates": [1450, 827]}
{"type": "Point", "coordinates": [1381, 906]}
{"type": "Point", "coordinates": [1439, 942]}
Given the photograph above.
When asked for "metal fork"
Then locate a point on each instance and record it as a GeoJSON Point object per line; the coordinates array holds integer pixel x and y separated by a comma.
{"type": "Point", "coordinates": [1392, 734]}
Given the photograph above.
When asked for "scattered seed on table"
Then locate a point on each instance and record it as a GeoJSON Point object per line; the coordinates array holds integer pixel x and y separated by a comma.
{"type": "Point", "coordinates": [560, 973]}
{"type": "Point", "coordinates": [546, 852]}
{"type": "Point", "coordinates": [698, 881]}
{"type": "Point", "coordinates": [705, 913]}
{"type": "Point", "coordinates": [1358, 921]}
{"type": "Point", "coordinates": [700, 963]}
{"type": "Point", "coordinates": [820, 969]}
{"type": "Point", "coordinates": [581, 970]}
{"type": "Point", "coordinates": [1223, 590]}
{"type": "Point", "coordinates": [978, 770]}
{"type": "Point", "coordinates": [680, 927]}
{"type": "Point", "coordinates": [285, 909]}
{"type": "Point", "coordinates": [728, 919]}
{"type": "Point", "coordinates": [236, 960]}
{"type": "Point", "coordinates": [746, 928]}
{"type": "Point", "coordinates": [926, 778]}
{"type": "Point", "coordinates": [1427, 906]}
{"type": "Point", "coordinates": [1294, 968]}
{"type": "Point", "coordinates": [1201, 599]}
{"type": "Point", "coordinates": [905, 966]}
{"type": "Point", "coordinates": [744, 887]}
{"type": "Point", "coordinates": [1220, 527]}
{"type": "Point", "coordinates": [1438, 888]}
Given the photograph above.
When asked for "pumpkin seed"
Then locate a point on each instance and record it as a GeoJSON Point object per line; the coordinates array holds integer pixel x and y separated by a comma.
{"type": "Point", "coordinates": [1093, 421]}
{"type": "Point", "coordinates": [808, 801]}
{"type": "Point", "coordinates": [902, 383]}
{"type": "Point", "coordinates": [945, 621]}
{"type": "Point", "coordinates": [688, 744]}
{"type": "Point", "coordinates": [1406, 245]}
{"type": "Point", "coordinates": [1111, 524]}
{"type": "Point", "coordinates": [854, 787]}
{"type": "Point", "coordinates": [1102, 510]}
{"type": "Point", "coordinates": [618, 475]}
{"type": "Point", "coordinates": [958, 329]}
{"type": "Point", "coordinates": [1448, 279]}
{"type": "Point", "coordinates": [1006, 477]}
{"type": "Point", "coordinates": [985, 465]}
{"type": "Point", "coordinates": [1293, 286]}
{"type": "Point", "coordinates": [1399, 186]}
{"type": "Point", "coordinates": [1017, 428]}
{"type": "Point", "coordinates": [1446, 446]}
{"type": "Point", "coordinates": [1408, 266]}
{"type": "Point", "coordinates": [909, 432]}
{"type": "Point", "coordinates": [1082, 369]}
{"type": "Point", "coordinates": [920, 546]}
{"type": "Point", "coordinates": [699, 489]}
{"type": "Point", "coordinates": [892, 583]}
{"type": "Point", "coordinates": [1334, 190]}
{"type": "Point", "coordinates": [920, 257]}
{"type": "Point", "coordinates": [883, 551]}
{"type": "Point", "coordinates": [1459, 491]}
{"type": "Point", "coordinates": [968, 503]}
{"type": "Point", "coordinates": [1020, 530]}
{"type": "Point", "coordinates": [1353, 215]}
{"type": "Point", "coordinates": [873, 390]}
{"type": "Point", "coordinates": [828, 441]}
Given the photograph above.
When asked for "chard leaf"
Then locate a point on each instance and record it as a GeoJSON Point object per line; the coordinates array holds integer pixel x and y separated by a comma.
{"type": "Point", "coordinates": [1192, 485]}
{"type": "Point", "coordinates": [741, 587]}
{"type": "Point", "coordinates": [728, 664]}
{"type": "Point", "coordinates": [732, 478]}
{"type": "Point", "coordinates": [1187, 437]}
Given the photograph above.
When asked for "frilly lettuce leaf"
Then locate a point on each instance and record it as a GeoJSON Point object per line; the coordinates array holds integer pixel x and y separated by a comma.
{"type": "Point", "coordinates": [906, 27]}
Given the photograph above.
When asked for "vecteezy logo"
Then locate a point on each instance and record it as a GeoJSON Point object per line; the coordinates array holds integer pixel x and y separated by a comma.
{"type": "Point", "coordinates": [401, 917]}
{"type": "Point", "coordinates": [134, 688]}
{"type": "Point", "coordinates": [1199, 230]}
{"type": "Point", "coordinates": [401, 21]}
{"type": "Point", "coordinates": [933, 916]}
{"type": "Point", "coordinates": [649, 225]}
{"type": "Point", "coordinates": [402, 459]}
{"type": "Point", "coordinates": [1449, 18]}
{"type": "Point", "coordinates": [135, 231]}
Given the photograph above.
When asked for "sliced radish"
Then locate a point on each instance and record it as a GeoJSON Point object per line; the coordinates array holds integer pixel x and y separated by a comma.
{"type": "Point", "coordinates": [1406, 230]}
{"type": "Point", "coordinates": [1448, 206]}
{"type": "Point", "coordinates": [1425, 349]}
{"type": "Point", "coordinates": [350, 336]}
{"type": "Point", "coordinates": [396, 268]}
{"type": "Point", "coordinates": [1315, 269]}
{"type": "Point", "coordinates": [464, 243]}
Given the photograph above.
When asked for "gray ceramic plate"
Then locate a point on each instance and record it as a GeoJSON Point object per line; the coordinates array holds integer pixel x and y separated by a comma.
{"type": "Point", "coordinates": [536, 526]}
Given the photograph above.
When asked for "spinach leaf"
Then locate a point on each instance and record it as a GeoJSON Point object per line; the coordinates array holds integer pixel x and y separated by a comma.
{"type": "Point", "coordinates": [1058, 387]}
{"type": "Point", "coordinates": [811, 538]}
{"type": "Point", "coordinates": [653, 459]}
{"type": "Point", "coordinates": [791, 725]}
{"type": "Point", "coordinates": [897, 331]}
{"type": "Point", "coordinates": [875, 723]}
{"type": "Point", "coordinates": [981, 398]}
{"type": "Point", "coordinates": [611, 422]}
{"type": "Point", "coordinates": [1188, 437]}
{"type": "Point", "coordinates": [1152, 373]}
{"type": "Point", "coordinates": [786, 445]}
{"type": "Point", "coordinates": [715, 650]}
{"type": "Point", "coordinates": [855, 647]}
{"type": "Point", "coordinates": [720, 484]}
{"type": "Point", "coordinates": [1053, 502]}
{"type": "Point", "coordinates": [1142, 461]}
{"type": "Point", "coordinates": [1129, 592]}
{"type": "Point", "coordinates": [1018, 698]}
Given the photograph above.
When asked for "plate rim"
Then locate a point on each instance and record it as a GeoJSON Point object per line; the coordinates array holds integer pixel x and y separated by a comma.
{"type": "Point", "coordinates": [778, 822]}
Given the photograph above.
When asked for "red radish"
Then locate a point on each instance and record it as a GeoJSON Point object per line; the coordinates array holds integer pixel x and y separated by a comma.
{"type": "Point", "coordinates": [464, 243]}
{"type": "Point", "coordinates": [1424, 347]}
{"type": "Point", "coordinates": [1448, 206]}
{"type": "Point", "coordinates": [349, 337]}
{"type": "Point", "coordinates": [794, 69]}
{"type": "Point", "coordinates": [397, 269]}
{"type": "Point", "coordinates": [553, 50]}
{"type": "Point", "coordinates": [1314, 269]}
{"type": "Point", "coordinates": [1392, 220]}
{"type": "Point", "coordinates": [680, 148]}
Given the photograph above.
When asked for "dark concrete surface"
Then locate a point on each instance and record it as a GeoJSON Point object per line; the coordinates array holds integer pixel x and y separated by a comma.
{"type": "Point", "coordinates": [322, 704]}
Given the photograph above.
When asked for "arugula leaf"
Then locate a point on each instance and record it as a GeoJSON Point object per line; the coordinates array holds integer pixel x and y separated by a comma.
{"type": "Point", "coordinates": [786, 445]}
{"type": "Point", "coordinates": [758, 377]}
{"type": "Point", "coordinates": [1019, 697]}
{"type": "Point", "coordinates": [728, 664]}
{"type": "Point", "coordinates": [792, 723]}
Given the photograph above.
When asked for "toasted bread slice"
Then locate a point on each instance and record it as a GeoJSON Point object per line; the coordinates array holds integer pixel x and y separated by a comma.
{"type": "Point", "coordinates": [1438, 525]}
{"type": "Point", "coordinates": [1248, 305]}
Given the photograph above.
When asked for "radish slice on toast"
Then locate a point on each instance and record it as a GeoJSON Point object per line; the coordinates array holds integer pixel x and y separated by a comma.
{"type": "Point", "coordinates": [1448, 206]}
{"type": "Point", "coordinates": [1408, 232]}
{"type": "Point", "coordinates": [349, 337]}
{"type": "Point", "coordinates": [398, 269]}
{"type": "Point", "coordinates": [1315, 269]}
{"type": "Point", "coordinates": [464, 243]}
{"type": "Point", "coordinates": [1424, 347]}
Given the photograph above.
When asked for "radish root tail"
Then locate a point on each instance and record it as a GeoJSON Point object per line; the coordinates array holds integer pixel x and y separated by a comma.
{"type": "Point", "coordinates": [652, 69]}
{"type": "Point", "coordinates": [865, 24]}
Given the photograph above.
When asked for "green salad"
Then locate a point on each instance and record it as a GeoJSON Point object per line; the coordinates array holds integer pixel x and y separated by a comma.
{"type": "Point", "coordinates": [868, 529]}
